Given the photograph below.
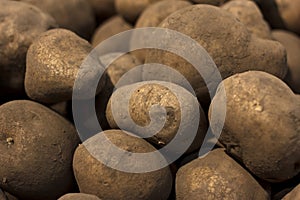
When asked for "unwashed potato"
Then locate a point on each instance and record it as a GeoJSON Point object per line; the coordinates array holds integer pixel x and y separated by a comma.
{"type": "Point", "coordinates": [211, 2]}
{"type": "Point", "coordinates": [109, 28]}
{"type": "Point", "coordinates": [53, 63]}
{"type": "Point", "coordinates": [179, 112]}
{"type": "Point", "coordinates": [216, 176]}
{"type": "Point", "coordinates": [293, 195]}
{"type": "Point", "coordinates": [37, 148]}
{"type": "Point", "coordinates": [250, 15]}
{"type": "Point", "coordinates": [292, 44]}
{"type": "Point", "coordinates": [103, 8]}
{"type": "Point", "coordinates": [16, 35]}
{"type": "Point", "coordinates": [75, 15]}
{"type": "Point", "coordinates": [94, 177]}
{"type": "Point", "coordinates": [262, 125]}
{"type": "Point", "coordinates": [233, 49]}
{"type": "Point", "coordinates": [79, 196]}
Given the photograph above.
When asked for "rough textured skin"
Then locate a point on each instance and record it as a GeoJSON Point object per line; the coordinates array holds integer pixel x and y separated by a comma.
{"type": "Point", "coordinates": [16, 35]}
{"type": "Point", "coordinates": [211, 2]}
{"type": "Point", "coordinates": [293, 195]}
{"type": "Point", "coordinates": [110, 28]}
{"type": "Point", "coordinates": [94, 177]}
{"type": "Point", "coordinates": [103, 8]}
{"type": "Point", "coordinates": [292, 44]}
{"type": "Point", "coordinates": [249, 14]}
{"type": "Point", "coordinates": [216, 176]}
{"type": "Point", "coordinates": [233, 49]}
{"type": "Point", "coordinates": [147, 94]}
{"type": "Point", "coordinates": [262, 126]}
{"type": "Point", "coordinates": [290, 13]}
{"type": "Point", "coordinates": [53, 61]}
{"type": "Point", "coordinates": [75, 15]}
{"type": "Point", "coordinates": [37, 147]}
{"type": "Point", "coordinates": [79, 196]}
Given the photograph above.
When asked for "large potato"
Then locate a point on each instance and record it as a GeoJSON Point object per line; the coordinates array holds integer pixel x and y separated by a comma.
{"type": "Point", "coordinates": [53, 63]}
{"type": "Point", "coordinates": [95, 177]}
{"type": "Point", "coordinates": [180, 107]}
{"type": "Point", "coordinates": [37, 148]}
{"type": "Point", "coordinates": [75, 15]}
{"type": "Point", "coordinates": [292, 44]}
{"type": "Point", "coordinates": [20, 24]}
{"type": "Point", "coordinates": [234, 49]}
{"type": "Point", "coordinates": [262, 125]}
{"type": "Point", "coordinates": [216, 176]}
{"type": "Point", "coordinates": [79, 196]}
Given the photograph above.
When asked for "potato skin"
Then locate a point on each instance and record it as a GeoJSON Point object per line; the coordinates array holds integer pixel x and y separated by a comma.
{"type": "Point", "coordinates": [216, 176]}
{"type": "Point", "coordinates": [96, 178]}
{"type": "Point", "coordinates": [262, 125]}
{"type": "Point", "coordinates": [53, 62]}
{"type": "Point", "coordinates": [16, 35]}
{"type": "Point", "coordinates": [149, 93]}
{"type": "Point", "coordinates": [39, 146]}
{"type": "Point", "coordinates": [294, 194]}
{"type": "Point", "coordinates": [79, 196]}
{"type": "Point", "coordinates": [292, 44]}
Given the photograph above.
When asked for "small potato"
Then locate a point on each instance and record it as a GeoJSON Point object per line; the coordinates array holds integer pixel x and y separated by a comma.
{"type": "Point", "coordinates": [103, 8]}
{"type": "Point", "coordinates": [234, 49]}
{"type": "Point", "coordinates": [293, 195]}
{"type": "Point", "coordinates": [20, 24]}
{"type": "Point", "coordinates": [95, 177]}
{"type": "Point", "coordinates": [110, 28]}
{"type": "Point", "coordinates": [53, 63]}
{"type": "Point", "coordinates": [262, 125]}
{"type": "Point", "coordinates": [249, 14]}
{"type": "Point", "coordinates": [79, 196]}
{"type": "Point", "coordinates": [74, 15]}
{"type": "Point", "coordinates": [138, 100]}
{"type": "Point", "coordinates": [216, 176]}
{"type": "Point", "coordinates": [292, 44]}
{"type": "Point", "coordinates": [37, 148]}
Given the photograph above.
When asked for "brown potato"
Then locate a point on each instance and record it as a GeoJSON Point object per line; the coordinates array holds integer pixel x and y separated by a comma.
{"type": "Point", "coordinates": [293, 195]}
{"type": "Point", "coordinates": [250, 15]}
{"type": "Point", "coordinates": [94, 177]}
{"type": "Point", "coordinates": [234, 49]}
{"type": "Point", "coordinates": [109, 28]}
{"type": "Point", "coordinates": [262, 126]}
{"type": "Point", "coordinates": [16, 35]}
{"type": "Point", "coordinates": [53, 63]}
{"type": "Point", "coordinates": [74, 15]}
{"type": "Point", "coordinates": [37, 148]}
{"type": "Point", "coordinates": [79, 196]}
{"type": "Point", "coordinates": [292, 44]}
{"type": "Point", "coordinates": [179, 113]}
{"type": "Point", "coordinates": [216, 176]}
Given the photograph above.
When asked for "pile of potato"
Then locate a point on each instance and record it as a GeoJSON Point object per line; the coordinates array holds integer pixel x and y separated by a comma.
{"type": "Point", "coordinates": [255, 46]}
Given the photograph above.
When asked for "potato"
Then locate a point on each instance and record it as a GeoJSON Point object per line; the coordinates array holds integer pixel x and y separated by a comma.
{"type": "Point", "coordinates": [249, 14]}
{"type": "Point", "coordinates": [295, 194]}
{"type": "Point", "coordinates": [290, 12]}
{"type": "Point", "coordinates": [262, 125]}
{"type": "Point", "coordinates": [216, 176]}
{"type": "Point", "coordinates": [37, 147]}
{"type": "Point", "coordinates": [109, 28]}
{"type": "Point", "coordinates": [179, 113]}
{"type": "Point", "coordinates": [16, 35]}
{"type": "Point", "coordinates": [79, 196]}
{"type": "Point", "coordinates": [53, 63]}
{"type": "Point", "coordinates": [292, 44]}
{"type": "Point", "coordinates": [103, 8]}
{"type": "Point", "coordinates": [234, 49]}
{"type": "Point", "coordinates": [74, 15]}
{"type": "Point", "coordinates": [95, 177]}
{"type": "Point", "coordinates": [211, 2]}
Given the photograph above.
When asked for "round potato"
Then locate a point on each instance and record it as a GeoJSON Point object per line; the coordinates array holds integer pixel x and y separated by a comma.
{"type": "Point", "coordinates": [216, 176]}
{"type": "Point", "coordinates": [292, 44]}
{"type": "Point", "coordinates": [79, 196]}
{"type": "Point", "coordinates": [16, 35]}
{"type": "Point", "coordinates": [255, 102]}
{"type": "Point", "coordinates": [134, 104]}
{"type": "Point", "coordinates": [75, 15]}
{"type": "Point", "coordinates": [39, 146]}
{"type": "Point", "coordinates": [95, 177]}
